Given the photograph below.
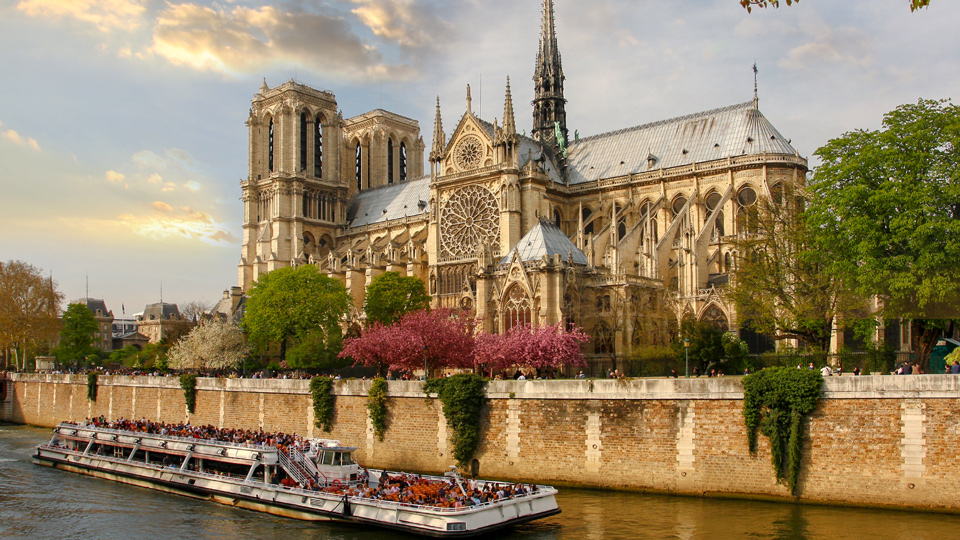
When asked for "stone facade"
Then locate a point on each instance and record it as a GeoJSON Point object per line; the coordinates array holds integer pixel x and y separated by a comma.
{"type": "Point", "coordinates": [873, 440]}
{"type": "Point", "coordinates": [649, 212]}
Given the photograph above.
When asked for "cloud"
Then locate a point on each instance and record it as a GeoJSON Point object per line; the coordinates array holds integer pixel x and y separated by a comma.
{"type": "Point", "coordinates": [246, 40]}
{"type": "Point", "coordinates": [823, 44]}
{"type": "Point", "coordinates": [192, 186]}
{"type": "Point", "coordinates": [154, 178]}
{"type": "Point", "coordinates": [115, 177]}
{"type": "Point", "coordinates": [400, 21]}
{"type": "Point", "coordinates": [106, 15]}
{"type": "Point", "coordinates": [16, 138]}
{"type": "Point", "coordinates": [169, 186]}
{"type": "Point", "coordinates": [182, 223]}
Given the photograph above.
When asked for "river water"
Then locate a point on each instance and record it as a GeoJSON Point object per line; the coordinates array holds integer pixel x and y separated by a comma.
{"type": "Point", "coordinates": [43, 503]}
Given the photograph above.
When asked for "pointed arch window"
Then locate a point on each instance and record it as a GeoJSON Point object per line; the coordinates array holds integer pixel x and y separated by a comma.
{"type": "Point", "coordinates": [303, 141]}
{"type": "Point", "coordinates": [516, 308]}
{"type": "Point", "coordinates": [747, 219]}
{"type": "Point", "coordinates": [318, 148]}
{"type": "Point", "coordinates": [270, 147]}
{"type": "Point", "coordinates": [603, 339]}
{"type": "Point", "coordinates": [621, 222]}
{"type": "Point", "coordinates": [403, 161]}
{"type": "Point", "coordinates": [389, 161]}
{"type": "Point", "coordinates": [588, 227]}
{"type": "Point", "coordinates": [359, 167]}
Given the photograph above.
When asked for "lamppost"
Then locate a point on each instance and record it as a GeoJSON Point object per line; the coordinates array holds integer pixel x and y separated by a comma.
{"type": "Point", "coordinates": [425, 348]}
{"type": "Point", "coordinates": [686, 351]}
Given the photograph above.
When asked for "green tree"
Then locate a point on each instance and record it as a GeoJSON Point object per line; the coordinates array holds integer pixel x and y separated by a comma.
{"type": "Point", "coordinates": [710, 346]}
{"type": "Point", "coordinates": [318, 350]}
{"type": "Point", "coordinates": [887, 203]}
{"type": "Point", "coordinates": [28, 311]}
{"type": "Point", "coordinates": [781, 282]}
{"type": "Point", "coordinates": [391, 295]}
{"type": "Point", "coordinates": [78, 335]}
{"type": "Point", "coordinates": [292, 303]}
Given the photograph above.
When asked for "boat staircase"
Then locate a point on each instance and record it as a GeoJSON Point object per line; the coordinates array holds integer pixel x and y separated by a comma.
{"type": "Point", "coordinates": [300, 468]}
{"type": "Point", "coordinates": [293, 470]}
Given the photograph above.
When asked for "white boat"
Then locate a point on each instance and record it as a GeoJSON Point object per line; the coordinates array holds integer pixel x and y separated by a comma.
{"type": "Point", "coordinates": [244, 475]}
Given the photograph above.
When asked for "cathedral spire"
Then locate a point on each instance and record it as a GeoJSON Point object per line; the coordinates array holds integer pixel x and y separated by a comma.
{"type": "Point", "coordinates": [469, 101]}
{"type": "Point", "coordinates": [548, 102]}
{"type": "Point", "coordinates": [509, 123]}
{"type": "Point", "coordinates": [756, 99]}
{"type": "Point", "coordinates": [439, 138]}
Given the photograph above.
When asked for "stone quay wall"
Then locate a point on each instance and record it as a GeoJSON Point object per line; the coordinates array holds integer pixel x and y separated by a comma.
{"type": "Point", "coordinates": [885, 441]}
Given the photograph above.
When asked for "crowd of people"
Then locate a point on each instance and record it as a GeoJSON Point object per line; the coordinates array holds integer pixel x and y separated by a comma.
{"type": "Point", "coordinates": [418, 490]}
{"type": "Point", "coordinates": [231, 435]}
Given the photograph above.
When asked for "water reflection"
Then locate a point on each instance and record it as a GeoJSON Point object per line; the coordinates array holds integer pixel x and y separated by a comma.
{"type": "Point", "coordinates": [42, 503]}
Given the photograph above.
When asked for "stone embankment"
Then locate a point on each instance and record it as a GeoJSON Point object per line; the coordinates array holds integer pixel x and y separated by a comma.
{"type": "Point", "coordinates": [889, 441]}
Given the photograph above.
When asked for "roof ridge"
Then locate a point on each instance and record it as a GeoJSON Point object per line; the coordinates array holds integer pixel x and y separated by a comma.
{"type": "Point", "coordinates": [746, 104]}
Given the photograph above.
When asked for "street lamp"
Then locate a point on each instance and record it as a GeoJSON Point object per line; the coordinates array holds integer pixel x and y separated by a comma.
{"type": "Point", "coordinates": [425, 347]}
{"type": "Point", "coordinates": [686, 351]}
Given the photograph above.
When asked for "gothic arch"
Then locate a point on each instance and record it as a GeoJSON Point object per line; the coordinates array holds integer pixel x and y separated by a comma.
{"type": "Point", "coordinates": [516, 307]}
{"type": "Point", "coordinates": [715, 315]}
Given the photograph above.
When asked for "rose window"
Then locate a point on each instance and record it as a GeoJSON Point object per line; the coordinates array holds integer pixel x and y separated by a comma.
{"type": "Point", "coordinates": [468, 153]}
{"type": "Point", "coordinates": [469, 219]}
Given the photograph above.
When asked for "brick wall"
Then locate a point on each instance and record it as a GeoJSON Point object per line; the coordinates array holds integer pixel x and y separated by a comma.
{"type": "Point", "coordinates": [873, 441]}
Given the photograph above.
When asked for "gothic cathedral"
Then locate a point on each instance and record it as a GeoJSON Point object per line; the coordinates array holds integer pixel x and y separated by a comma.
{"type": "Point", "coordinates": [622, 233]}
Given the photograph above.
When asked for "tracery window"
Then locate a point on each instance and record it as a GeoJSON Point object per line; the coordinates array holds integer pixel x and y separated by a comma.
{"type": "Point", "coordinates": [468, 219]}
{"type": "Point", "coordinates": [389, 161]}
{"type": "Point", "coordinates": [303, 141]}
{"type": "Point", "coordinates": [588, 227]}
{"type": "Point", "coordinates": [747, 211]}
{"type": "Point", "coordinates": [318, 148]}
{"type": "Point", "coordinates": [359, 167]}
{"type": "Point", "coordinates": [403, 162]}
{"type": "Point", "coordinates": [713, 200]}
{"type": "Point", "coordinates": [678, 204]}
{"type": "Point", "coordinates": [270, 147]}
{"type": "Point", "coordinates": [603, 339]}
{"type": "Point", "coordinates": [516, 308]}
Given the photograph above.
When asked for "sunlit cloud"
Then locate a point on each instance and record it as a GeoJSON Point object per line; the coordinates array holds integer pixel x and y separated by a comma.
{"type": "Point", "coordinates": [106, 15]}
{"type": "Point", "coordinates": [155, 178]}
{"type": "Point", "coordinates": [400, 21]}
{"type": "Point", "coordinates": [169, 186]}
{"type": "Point", "coordinates": [183, 223]}
{"type": "Point", "coordinates": [192, 186]}
{"type": "Point", "coordinates": [248, 40]}
{"type": "Point", "coordinates": [115, 177]}
{"type": "Point", "coordinates": [16, 138]}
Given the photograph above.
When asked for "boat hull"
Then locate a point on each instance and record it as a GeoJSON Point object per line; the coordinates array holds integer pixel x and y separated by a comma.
{"type": "Point", "coordinates": [302, 504]}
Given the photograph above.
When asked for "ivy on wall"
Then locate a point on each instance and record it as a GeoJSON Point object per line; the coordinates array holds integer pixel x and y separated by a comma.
{"type": "Point", "coordinates": [777, 401]}
{"type": "Point", "coordinates": [92, 386]}
{"type": "Point", "coordinates": [377, 407]}
{"type": "Point", "coordinates": [188, 382]}
{"type": "Point", "coordinates": [463, 398]}
{"type": "Point", "coordinates": [321, 389]}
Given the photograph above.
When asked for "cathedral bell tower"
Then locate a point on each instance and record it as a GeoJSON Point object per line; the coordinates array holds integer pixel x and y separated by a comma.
{"type": "Point", "coordinates": [548, 102]}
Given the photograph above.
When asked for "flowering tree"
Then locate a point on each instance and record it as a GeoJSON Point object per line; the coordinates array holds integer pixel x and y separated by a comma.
{"type": "Point", "coordinates": [214, 344]}
{"type": "Point", "coordinates": [546, 347]}
{"type": "Point", "coordinates": [431, 339]}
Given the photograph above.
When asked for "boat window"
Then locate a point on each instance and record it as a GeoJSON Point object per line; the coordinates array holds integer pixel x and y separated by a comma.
{"type": "Point", "coordinates": [348, 459]}
{"type": "Point", "coordinates": [328, 458]}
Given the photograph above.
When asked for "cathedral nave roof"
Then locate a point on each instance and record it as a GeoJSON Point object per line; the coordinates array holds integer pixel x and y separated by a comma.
{"type": "Point", "coordinates": [706, 136]}
{"type": "Point", "coordinates": [391, 202]}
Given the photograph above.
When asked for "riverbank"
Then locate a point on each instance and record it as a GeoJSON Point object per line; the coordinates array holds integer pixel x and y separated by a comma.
{"type": "Point", "coordinates": [882, 441]}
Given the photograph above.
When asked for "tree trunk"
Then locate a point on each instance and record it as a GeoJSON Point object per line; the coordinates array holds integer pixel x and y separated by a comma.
{"type": "Point", "coordinates": [928, 338]}
{"type": "Point", "coordinates": [283, 350]}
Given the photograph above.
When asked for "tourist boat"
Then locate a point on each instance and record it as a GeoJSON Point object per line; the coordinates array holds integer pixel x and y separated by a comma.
{"type": "Point", "coordinates": [245, 476]}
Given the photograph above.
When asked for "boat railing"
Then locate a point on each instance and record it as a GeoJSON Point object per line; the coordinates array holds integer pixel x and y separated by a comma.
{"type": "Point", "coordinates": [192, 440]}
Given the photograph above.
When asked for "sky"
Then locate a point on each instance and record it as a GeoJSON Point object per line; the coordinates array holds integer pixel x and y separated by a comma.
{"type": "Point", "coordinates": [122, 136]}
